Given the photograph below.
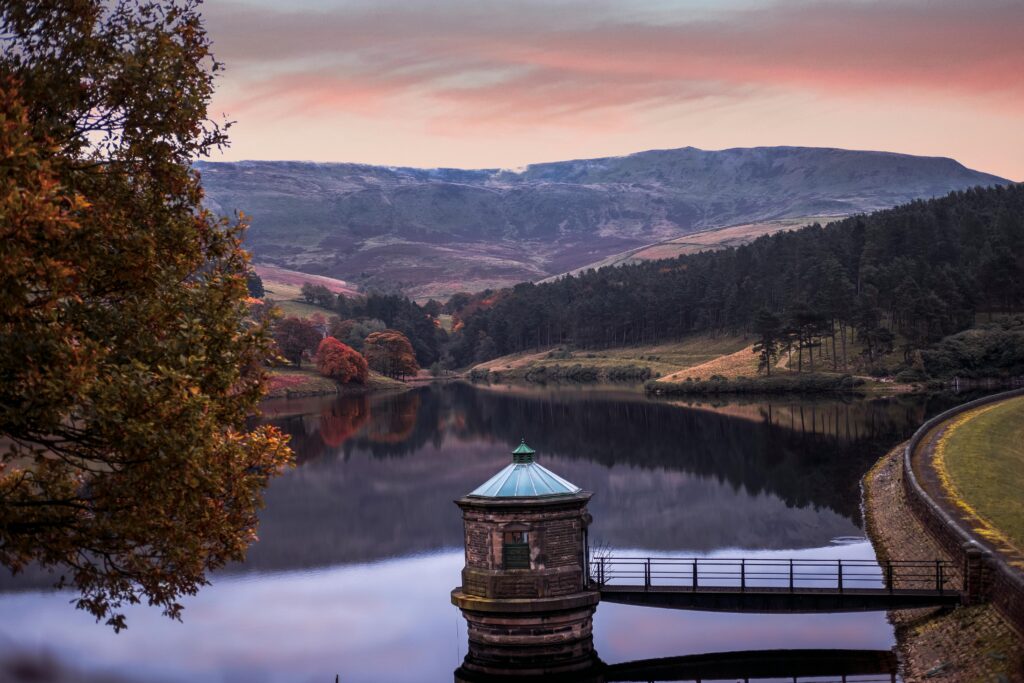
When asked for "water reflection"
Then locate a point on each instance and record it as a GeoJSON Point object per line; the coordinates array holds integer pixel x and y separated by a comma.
{"type": "Point", "coordinates": [360, 543]}
{"type": "Point", "coordinates": [848, 666]}
{"type": "Point", "coordinates": [777, 475]}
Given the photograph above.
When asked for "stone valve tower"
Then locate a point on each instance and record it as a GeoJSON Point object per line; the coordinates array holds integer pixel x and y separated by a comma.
{"type": "Point", "coordinates": [525, 593]}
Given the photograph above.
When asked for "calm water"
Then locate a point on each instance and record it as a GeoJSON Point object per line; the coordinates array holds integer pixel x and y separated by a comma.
{"type": "Point", "coordinates": [360, 544]}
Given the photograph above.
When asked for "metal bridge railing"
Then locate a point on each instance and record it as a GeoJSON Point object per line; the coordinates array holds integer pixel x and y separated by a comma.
{"type": "Point", "coordinates": [792, 574]}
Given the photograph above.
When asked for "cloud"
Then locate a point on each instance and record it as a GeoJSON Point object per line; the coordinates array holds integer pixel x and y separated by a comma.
{"type": "Point", "coordinates": [521, 63]}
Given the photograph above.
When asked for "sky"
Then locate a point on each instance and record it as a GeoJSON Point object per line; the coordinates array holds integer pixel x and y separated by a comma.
{"type": "Point", "coordinates": [505, 83]}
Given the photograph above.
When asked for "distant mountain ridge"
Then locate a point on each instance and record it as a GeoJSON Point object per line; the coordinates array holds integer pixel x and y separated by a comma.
{"type": "Point", "coordinates": [437, 231]}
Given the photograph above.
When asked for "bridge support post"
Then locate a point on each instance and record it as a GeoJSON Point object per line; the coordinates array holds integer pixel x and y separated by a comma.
{"type": "Point", "coordinates": [976, 573]}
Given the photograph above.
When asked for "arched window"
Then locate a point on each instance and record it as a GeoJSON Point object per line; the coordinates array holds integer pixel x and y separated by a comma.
{"type": "Point", "coordinates": [515, 549]}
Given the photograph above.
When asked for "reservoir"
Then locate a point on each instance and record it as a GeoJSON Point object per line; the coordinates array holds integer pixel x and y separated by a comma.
{"type": "Point", "coordinates": [360, 543]}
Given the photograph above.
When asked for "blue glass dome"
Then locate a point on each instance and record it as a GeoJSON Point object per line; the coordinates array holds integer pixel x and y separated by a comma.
{"type": "Point", "coordinates": [524, 478]}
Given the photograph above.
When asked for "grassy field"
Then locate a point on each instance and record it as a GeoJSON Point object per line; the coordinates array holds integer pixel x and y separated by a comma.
{"type": "Point", "coordinates": [293, 382]}
{"type": "Point", "coordinates": [288, 283]}
{"type": "Point", "coordinates": [662, 359]}
{"type": "Point", "coordinates": [285, 288]}
{"type": "Point", "coordinates": [981, 460]}
{"type": "Point", "coordinates": [700, 358]}
{"type": "Point", "coordinates": [742, 363]}
{"type": "Point", "coordinates": [299, 309]}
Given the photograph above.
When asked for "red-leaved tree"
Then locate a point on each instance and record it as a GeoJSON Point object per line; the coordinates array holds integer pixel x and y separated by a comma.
{"type": "Point", "coordinates": [340, 362]}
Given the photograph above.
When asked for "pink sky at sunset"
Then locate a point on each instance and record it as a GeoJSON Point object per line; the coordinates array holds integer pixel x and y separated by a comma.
{"type": "Point", "coordinates": [489, 84]}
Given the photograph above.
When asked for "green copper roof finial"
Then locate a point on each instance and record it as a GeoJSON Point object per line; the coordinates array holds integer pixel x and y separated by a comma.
{"type": "Point", "coordinates": [523, 453]}
{"type": "Point", "coordinates": [524, 478]}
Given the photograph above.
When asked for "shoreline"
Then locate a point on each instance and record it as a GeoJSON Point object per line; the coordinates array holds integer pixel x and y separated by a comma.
{"type": "Point", "coordinates": [973, 643]}
{"type": "Point", "coordinates": [293, 383]}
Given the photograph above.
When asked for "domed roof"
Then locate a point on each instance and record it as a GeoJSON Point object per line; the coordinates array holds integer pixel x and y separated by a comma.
{"type": "Point", "coordinates": [524, 478]}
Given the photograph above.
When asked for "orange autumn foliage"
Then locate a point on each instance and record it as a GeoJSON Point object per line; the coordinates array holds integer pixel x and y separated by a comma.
{"type": "Point", "coordinates": [341, 362]}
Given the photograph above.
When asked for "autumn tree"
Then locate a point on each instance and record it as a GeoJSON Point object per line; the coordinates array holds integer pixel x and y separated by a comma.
{"type": "Point", "coordinates": [296, 337]}
{"type": "Point", "coordinates": [390, 353]}
{"type": "Point", "coordinates": [340, 362]}
{"type": "Point", "coordinates": [129, 361]}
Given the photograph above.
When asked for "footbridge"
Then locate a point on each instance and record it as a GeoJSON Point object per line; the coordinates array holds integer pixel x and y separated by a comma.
{"type": "Point", "coordinates": [876, 666]}
{"type": "Point", "coordinates": [775, 585]}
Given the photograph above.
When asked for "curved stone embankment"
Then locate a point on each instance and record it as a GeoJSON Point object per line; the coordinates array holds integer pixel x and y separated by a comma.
{"type": "Point", "coordinates": [953, 527]}
{"type": "Point", "coordinates": [973, 643]}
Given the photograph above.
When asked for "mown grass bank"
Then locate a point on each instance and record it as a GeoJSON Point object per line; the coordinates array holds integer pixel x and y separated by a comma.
{"type": "Point", "coordinates": [981, 461]}
{"type": "Point", "coordinates": [300, 382]}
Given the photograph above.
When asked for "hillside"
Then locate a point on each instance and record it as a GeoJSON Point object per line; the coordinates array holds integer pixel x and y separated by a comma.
{"type": "Point", "coordinates": [436, 231]}
{"type": "Point", "coordinates": [895, 280]}
{"type": "Point", "coordinates": [704, 240]}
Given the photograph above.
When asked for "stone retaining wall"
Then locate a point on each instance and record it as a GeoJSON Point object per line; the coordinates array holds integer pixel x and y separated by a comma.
{"type": "Point", "coordinates": [987, 575]}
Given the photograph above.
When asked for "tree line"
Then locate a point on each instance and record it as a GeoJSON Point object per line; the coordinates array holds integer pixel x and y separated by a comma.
{"type": "Point", "coordinates": [921, 271]}
{"type": "Point", "coordinates": [361, 316]}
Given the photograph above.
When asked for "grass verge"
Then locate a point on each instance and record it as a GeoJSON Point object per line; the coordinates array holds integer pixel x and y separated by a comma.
{"type": "Point", "coordinates": [981, 462]}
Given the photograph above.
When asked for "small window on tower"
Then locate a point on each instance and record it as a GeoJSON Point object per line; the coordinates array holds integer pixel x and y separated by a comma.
{"type": "Point", "coordinates": [516, 550]}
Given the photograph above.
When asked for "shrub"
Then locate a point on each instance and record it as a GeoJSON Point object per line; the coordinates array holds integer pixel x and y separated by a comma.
{"type": "Point", "coordinates": [995, 350]}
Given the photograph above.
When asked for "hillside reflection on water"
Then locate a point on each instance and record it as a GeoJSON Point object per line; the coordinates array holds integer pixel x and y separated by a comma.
{"type": "Point", "coordinates": [380, 474]}
{"type": "Point", "coordinates": [360, 543]}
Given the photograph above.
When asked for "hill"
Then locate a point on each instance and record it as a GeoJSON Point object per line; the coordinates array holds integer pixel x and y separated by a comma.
{"type": "Point", "coordinates": [432, 232]}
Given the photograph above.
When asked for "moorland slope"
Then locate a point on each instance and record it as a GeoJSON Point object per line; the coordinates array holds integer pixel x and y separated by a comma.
{"type": "Point", "coordinates": [432, 232]}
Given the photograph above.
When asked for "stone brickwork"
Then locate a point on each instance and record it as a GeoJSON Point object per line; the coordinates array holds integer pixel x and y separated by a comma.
{"type": "Point", "coordinates": [534, 620]}
{"type": "Point", "coordinates": [555, 529]}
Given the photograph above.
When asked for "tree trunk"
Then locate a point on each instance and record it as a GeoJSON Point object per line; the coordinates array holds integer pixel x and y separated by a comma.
{"type": "Point", "coordinates": [835, 356]}
{"type": "Point", "coordinates": [842, 335]}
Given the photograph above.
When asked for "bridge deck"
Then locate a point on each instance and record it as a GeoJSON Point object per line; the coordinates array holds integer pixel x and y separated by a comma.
{"type": "Point", "coordinates": [778, 600]}
{"type": "Point", "coordinates": [775, 585]}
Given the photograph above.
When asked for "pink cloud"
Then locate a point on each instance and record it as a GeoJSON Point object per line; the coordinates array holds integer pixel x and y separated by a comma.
{"type": "Point", "coordinates": [937, 50]}
{"type": "Point", "coordinates": [527, 70]}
